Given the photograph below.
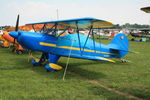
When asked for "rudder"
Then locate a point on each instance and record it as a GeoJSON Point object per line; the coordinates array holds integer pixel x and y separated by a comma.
{"type": "Point", "coordinates": [119, 45]}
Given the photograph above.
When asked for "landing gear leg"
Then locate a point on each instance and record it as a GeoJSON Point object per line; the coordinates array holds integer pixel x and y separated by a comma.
{"type": "Point", "coordinates": [41, 61]}
{"type": "Point", "coordinates": [52, 66]}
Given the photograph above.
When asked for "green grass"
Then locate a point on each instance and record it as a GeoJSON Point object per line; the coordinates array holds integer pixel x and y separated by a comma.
{"type": "Point", "coordinates": [19, 80]}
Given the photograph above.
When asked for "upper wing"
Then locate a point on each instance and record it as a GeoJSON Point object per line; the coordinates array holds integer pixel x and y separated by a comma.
{"type": "Point", "coordinates": [86, 22]}
{"type": "Point", "coordinates": [146, 9]}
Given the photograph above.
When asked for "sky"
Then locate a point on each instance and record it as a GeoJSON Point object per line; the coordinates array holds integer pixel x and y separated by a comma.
{"type": "Point", "coordinates": [115, 11]}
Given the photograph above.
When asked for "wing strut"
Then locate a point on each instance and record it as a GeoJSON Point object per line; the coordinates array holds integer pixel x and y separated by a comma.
{"type": "Point", "coordinates": [33, 27]}
{"type": "Point", "coordinates": [88, 36]}
{"type": "Point", "coordinates": [51, 29]}
{"type": "Point", "coordinates": [42, 29]}
{"type": "Point", "coordinates": [55, 30]}
{"type": "Point", "coordinates": [78, 36]}
{"type": "Point", "coordinates": [64, 30]}
{"type": "Point", "coordinates": [93, 40]}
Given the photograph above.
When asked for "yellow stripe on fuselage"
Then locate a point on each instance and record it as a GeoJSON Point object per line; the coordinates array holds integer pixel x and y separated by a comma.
{"type": "Point", "coordinates": [72, 48]}
{"type": "Point", "coordinates": [65, 47]}
{"type": "Point", "coordinates": [47, 44]}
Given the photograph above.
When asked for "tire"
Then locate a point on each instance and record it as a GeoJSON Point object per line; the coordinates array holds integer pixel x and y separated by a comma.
{"type": "Point", "coordinates": [20, 52]}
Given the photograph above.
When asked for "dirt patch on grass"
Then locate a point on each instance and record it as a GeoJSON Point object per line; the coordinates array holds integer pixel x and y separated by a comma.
{"type": "Point", "coordinates": [107, 88]}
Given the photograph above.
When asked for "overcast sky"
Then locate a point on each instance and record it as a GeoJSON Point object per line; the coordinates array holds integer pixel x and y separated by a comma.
{"type": "Point", "coordinates": [115, 11]}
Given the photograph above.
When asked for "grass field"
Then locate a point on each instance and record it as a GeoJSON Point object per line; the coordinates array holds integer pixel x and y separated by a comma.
{"type": "Point", "coordinates": [85, 80]}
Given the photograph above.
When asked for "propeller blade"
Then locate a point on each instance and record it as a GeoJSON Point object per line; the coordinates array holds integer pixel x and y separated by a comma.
{"type": "Point", "coordinates": [17, 23]}
{"type": "Point", "coordinates": [16, 28]}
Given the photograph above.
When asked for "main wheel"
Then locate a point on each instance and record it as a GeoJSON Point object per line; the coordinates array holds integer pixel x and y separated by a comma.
{"type": "Point", "coordinates": [20, 52]}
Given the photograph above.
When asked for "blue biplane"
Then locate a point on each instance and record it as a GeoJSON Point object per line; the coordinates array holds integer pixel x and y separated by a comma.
{"type": "Point", "coordinates": [50, 41]}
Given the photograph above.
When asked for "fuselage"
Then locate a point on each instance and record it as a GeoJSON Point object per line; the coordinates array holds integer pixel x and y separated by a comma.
{"type": "Point", "coordinates": [73, 45]}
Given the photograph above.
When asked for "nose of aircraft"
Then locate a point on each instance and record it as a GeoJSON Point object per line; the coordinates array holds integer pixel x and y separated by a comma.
{"type": "Point", "coordinates": [14, 34]}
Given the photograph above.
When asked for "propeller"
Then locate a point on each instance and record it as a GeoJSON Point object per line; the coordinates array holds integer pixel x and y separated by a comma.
{"type": "Point", "coordinates": [16, 28]}
{"type": "Point", "coordinates": [17, 23]}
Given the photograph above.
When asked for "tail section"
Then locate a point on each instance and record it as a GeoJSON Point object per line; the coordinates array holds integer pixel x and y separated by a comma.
{"type": "Point", "coordinates": [119, 45]}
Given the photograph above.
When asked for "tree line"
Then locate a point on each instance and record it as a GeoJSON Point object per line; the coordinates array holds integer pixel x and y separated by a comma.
{"type": "Point", "coordinates": [117, 26]}
{"type": "Point", "coordinates": [3, 27]}
{"type": "Point", "coordinates": [128, 25]}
